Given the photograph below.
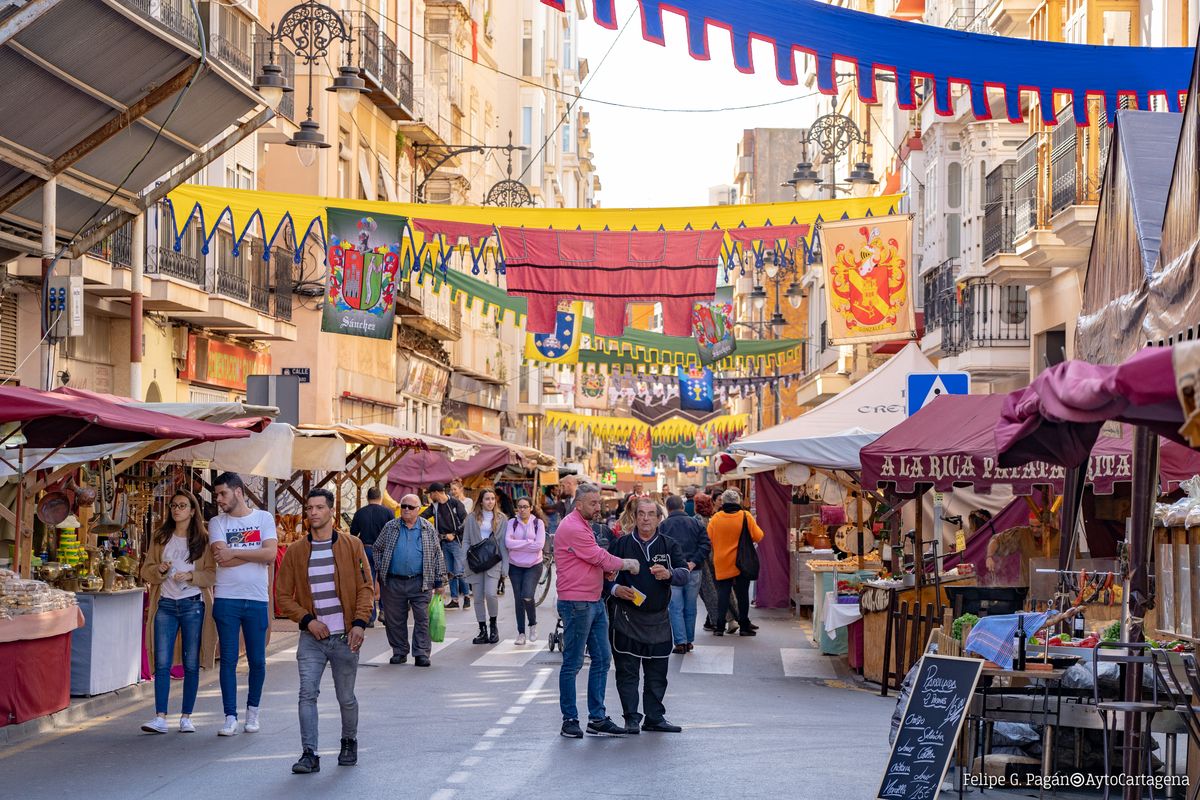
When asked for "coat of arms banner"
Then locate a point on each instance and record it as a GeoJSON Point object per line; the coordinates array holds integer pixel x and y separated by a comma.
{"type": "Point", "coordinates": [868, 279]}
{"type": "Point", "coordinates": [364, 257]}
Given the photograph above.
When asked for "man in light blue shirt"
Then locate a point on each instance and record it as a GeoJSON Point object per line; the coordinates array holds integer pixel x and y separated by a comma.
{"type": "Point", "coordinates": [411, 568]}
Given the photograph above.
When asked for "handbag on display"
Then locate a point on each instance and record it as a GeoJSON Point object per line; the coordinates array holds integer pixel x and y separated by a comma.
{"type": "Point", "coordinates": [747, 555]}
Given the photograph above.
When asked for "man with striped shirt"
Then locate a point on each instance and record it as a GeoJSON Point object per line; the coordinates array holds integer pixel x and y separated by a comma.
{"type": "Point", "coordinates": [324, 584]}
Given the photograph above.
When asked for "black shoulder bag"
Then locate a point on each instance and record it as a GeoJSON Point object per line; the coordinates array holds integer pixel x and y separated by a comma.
{"type": "Point", "coordinates": [747, 555]}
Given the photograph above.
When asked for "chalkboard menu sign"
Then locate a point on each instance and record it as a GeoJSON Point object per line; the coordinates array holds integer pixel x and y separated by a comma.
{"type": "Point", "coordinates": [929, 730]}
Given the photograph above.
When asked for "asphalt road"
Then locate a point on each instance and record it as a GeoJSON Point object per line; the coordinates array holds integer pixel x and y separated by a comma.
{"type": "Point", "coordinates": [763, 717]}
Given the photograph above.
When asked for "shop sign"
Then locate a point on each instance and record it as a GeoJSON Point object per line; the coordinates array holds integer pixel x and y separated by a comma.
{"type": "Point", "coordinates": [224, 364]}
{"type": "Point", "coordinates": [945, 471]}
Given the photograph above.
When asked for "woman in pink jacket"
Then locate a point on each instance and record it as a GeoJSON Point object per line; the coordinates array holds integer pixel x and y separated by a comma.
{"type": "Point", "coordinates": [525, 536]}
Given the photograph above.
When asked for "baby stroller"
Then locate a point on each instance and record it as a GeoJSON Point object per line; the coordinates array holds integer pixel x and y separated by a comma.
{"type": "Point", "coordinates": [555, 639]}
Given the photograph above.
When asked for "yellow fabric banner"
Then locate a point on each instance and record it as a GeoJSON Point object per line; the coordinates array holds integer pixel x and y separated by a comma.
{"type": "Point", "coordinates": [868, 264]}
{"type": "Point", "coordinates": [621, 428]}
{"type": "Point", "coordinates": [243, 208]}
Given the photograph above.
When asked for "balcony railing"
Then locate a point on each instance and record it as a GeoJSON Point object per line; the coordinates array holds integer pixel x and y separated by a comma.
{"type": "Point", "coordinates": [232, 55]}
{"type": "Point", "coordinates": [991, 316]}
{"type": "Point", "coordinates": [116, 248]}
{"type": "Point", "coordinates": [387, 71]}
{"type": "Point", "coordinates": [232, 283]}
{"type": "Point", "coordinates": [165, 261]}
{"type": "Point", "coordinates": [999, 210]}
{"type": "Point", "coordinates": [175, 15]}
{"type": "Point", "coordinates": [286, 61]}
{"type": "Point", "coordinates": [1077, 159]}
{"type": "Point", "coordinates": [404, 81]}
{"type": "Point", "coordinates": [941, 305]}
{"type": "Point", "coordinates": [1025, 189]}
{"type": "Point", "coordinates": [281, 287]}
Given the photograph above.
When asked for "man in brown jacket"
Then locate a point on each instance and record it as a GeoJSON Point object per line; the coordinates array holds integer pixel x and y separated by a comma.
{"type": "Point", "coordinates": [324, 584]}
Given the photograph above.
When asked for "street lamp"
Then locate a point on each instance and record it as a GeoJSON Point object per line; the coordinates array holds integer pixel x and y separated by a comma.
{"type": "Point", "coordinates": [311, 27]}
{"type": "Point", "coordinates": [834, 135]}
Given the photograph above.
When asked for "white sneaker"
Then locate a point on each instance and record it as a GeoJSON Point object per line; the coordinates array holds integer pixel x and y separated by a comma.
{"type": "Point", "coordinates": [251, 719]}
{"type": "Point", "coordinates": [230, 727]}
{"type": "Point", "coordinates": [186, 726]}
{"type": "Point", "coordinates": [533, 633]}
{"type": "Point", "coordinates": [520, 638]}
{"type": "Point", "coordinates": [157, 725]}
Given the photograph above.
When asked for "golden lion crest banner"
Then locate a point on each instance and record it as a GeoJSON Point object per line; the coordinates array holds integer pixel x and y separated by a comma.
{"type": "Point", "coordinates": [868, 279]}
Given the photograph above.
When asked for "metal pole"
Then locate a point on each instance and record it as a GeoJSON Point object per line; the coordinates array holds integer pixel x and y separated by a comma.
{"type": "Point", "coordinates": [137, 262]}
{"type": "Point", "coordinates": [49, 232]}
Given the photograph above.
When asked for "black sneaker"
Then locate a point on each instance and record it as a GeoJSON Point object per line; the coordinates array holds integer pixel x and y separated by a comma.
{"type": "Point", "coordinates": [466, 602]}
{"type": "Point", "coordinates": [452, 604]}
{"type": "Point", "coordinates": [604, 727]}
{"type": "Point", "coordinates": [571, 729]}
{"type": "Point", "coordinates": [309, 762]}
{"type": "Point", "coordinates": [633, 724]}
{"type": "Point", "coordinates": [708, 626]}
{"type": "Point", "coordinates": [662, 726]}
{"type": "Point", "coordinates": [398, 660]}
{"type": "Point", "coordinates": [747, 632]}
{"type": "Point", "coordinates": [349, 755]}
{"type": "Point", "coordinates": [422, 661]}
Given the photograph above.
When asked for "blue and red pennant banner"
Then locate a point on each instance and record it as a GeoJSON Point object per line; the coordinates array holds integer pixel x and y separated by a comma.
{"type": "Point", "coordinates": [909, 52]}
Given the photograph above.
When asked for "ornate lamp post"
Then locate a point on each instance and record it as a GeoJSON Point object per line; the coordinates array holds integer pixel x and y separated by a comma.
{"type": "Point", "coordinates": [311, 28]}
{"type": "Point", "coordinates": [834, 135]}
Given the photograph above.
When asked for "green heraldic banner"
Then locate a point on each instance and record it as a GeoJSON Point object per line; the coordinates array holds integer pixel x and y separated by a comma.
{"type": "Point", "coordinates": [364, 258]}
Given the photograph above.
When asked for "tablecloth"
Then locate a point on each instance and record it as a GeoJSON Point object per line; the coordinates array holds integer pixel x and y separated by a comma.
{"type": "Point", "coordinates": [41, 626]}
{"type": "Point", "coordinates": [839, 615]}
{"type": "Point", "coordinates": [36, 678]}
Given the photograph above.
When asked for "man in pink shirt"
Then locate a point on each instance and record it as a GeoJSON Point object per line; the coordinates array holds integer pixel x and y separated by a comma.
{"type": "Point", "coordinates": [581, 565]}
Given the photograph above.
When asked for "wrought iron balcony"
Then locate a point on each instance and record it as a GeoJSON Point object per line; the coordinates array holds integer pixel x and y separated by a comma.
{"type": "Point", "coordinates": [990, 315]}
{"type": "Point", "coordinates": [387, 72]}
{"type": "Point", "coordinates": [999, 210]}
{"type": "Point", "coordinates": [1077, 159]}
{"type": "Point", "coordinates": [1025, 188]}
{"type": "Point", "coordinates": [116, 248]}
{"type": "Point", "coordinates": [165, 261]}
{"type": "Point", "coordinates": [286, 61]}
{"type": "Point", "coordinates": [175, 15]}
{"type": "Point", "coordinates": [231, 55]}
{"type": "Point", "coordinates": [232, 283]}
{"type": "Point", "coordinates": [941, 306]}
{"type": "Point", "coordinates": [281, 286]}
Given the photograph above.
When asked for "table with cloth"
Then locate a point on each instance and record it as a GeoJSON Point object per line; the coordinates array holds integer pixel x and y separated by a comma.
{"type": "Point", "coordinates": [35, 664]}
{"type": "Point", "coordinates": [849, 616]}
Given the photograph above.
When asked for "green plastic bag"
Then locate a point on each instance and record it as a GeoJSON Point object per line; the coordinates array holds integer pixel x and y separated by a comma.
{"type": "Point", "coordinates": [437, 618]}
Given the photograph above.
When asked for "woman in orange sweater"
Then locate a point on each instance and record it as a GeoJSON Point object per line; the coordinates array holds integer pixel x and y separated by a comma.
{"type": "Point", "coordinates": [725, 529]}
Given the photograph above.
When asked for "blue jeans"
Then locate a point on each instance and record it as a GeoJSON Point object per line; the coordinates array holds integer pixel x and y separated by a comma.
{"type": "Point", "coordinates": [311, 657]}
{"type": "Point", "coordinates": [585, 625]}
{"type": "Point", "coordinates": [683, 609]}
{"type": "Point", "coordinates": [172, 618]}
{"type": "Point", "coordinates": [524, 581]}
{"type": "Point", "coordinates": [456, 562]}
{"type": "Point", "coordinates": [248, 618]}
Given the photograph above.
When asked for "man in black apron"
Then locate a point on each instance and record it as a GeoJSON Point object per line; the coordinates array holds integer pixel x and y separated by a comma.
{"type": "Point", "coordinates": [641, 626]}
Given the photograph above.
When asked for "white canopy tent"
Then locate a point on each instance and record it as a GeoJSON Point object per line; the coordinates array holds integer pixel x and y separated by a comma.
{"type": "Point", "coordinates": [278, 452]}
{"type": "Point", "coordinates": [832, 434]}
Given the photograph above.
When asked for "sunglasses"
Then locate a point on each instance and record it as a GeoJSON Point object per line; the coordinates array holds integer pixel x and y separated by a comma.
{"type": "Point", "coordinates": [407, 507]}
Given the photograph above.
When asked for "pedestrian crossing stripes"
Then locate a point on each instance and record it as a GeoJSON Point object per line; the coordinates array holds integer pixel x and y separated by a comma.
{"type": "Point", "coordinates": [793, 662]}
{"type": "Point", "coordinates": [709, 660]}
{"type": "Point", "coordinates": [508, 654]}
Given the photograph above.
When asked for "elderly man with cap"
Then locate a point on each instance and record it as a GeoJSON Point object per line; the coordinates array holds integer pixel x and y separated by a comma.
{"type": "Point", "coordinates": [449, 518]}
{"type": "Point", "coordinates": [410, 568]}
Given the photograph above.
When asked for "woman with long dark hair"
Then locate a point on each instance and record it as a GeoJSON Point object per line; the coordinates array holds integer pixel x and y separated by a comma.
{"type": "Point", "coordinates": [524, 539]}
{"type": "Point", "coordinates": [180, 571]}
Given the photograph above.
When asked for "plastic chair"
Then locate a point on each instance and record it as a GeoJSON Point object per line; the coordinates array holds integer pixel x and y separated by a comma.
{"type": "Point", "coordinates": [1133, 654]}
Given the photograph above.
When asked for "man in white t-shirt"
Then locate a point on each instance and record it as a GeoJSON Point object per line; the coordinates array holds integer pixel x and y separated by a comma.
{"type": "Point", "coordinates": [243, 543]}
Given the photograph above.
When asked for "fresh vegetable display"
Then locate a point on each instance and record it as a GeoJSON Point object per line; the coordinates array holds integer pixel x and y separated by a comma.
{"type": "Point", "coordinates": [1112, 633]}
{"type": "Point", "coordinates": [957, 628]}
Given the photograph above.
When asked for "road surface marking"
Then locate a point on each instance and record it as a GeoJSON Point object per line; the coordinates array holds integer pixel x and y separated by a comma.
{"type": "Point", "coordinates": [709, 660]}
{"type": "Point", "coordinates": [806, 663]}
{"type": "Point", "coordinates": [507, 654]}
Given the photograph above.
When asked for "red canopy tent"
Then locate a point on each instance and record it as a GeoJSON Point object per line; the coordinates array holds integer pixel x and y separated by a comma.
{"type": "Point", "coordinates": [415, 472]}
{"type": "Point", "coordinates": [952, 442]}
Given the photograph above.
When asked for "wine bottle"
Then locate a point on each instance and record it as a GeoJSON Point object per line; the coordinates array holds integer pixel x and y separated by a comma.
{"type": "Point", "coordinates": [1019, 662]}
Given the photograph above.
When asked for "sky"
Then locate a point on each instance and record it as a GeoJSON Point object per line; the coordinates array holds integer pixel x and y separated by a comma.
{"type": "Point", "coordinates": [650, 158]}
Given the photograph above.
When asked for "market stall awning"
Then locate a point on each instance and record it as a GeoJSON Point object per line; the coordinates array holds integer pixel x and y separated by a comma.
{"type": "Point", "coordinates": [952, 442]}
{"type": "Point", "coordinates": [455, 450]}
{"type": "Point", "coordinates": [277, 452]}
{"type": "Point", "coordinates": [529, 454]}
{"type": "Point", "coordinates": [417, 470]}
{"type": "Point", "coordinates": [51, 419]}
{"type": "Point", "coordinates": [832, 434]}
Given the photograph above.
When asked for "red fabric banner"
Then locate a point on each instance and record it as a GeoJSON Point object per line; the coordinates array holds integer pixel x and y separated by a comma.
{"type": "Point", "coordinates": [610, 269]}
{"type": "Point", "coordinates": [473, 232]}
{"type": "Point", "coordinates": [772, 502]}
